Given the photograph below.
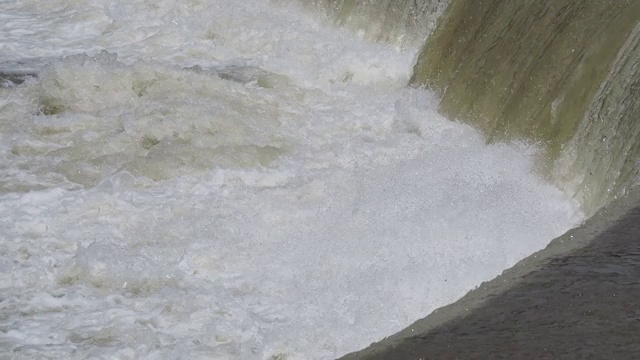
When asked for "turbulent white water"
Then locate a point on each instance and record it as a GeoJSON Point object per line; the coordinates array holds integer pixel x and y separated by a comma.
{"type": "Point", "coordinates": [224, 179]}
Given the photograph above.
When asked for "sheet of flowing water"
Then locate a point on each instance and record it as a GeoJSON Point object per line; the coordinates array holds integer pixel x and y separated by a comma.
{"type": "Point", "coordinates": [235, 180]}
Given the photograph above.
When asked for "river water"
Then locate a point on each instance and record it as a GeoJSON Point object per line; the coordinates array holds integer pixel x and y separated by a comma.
{"type": "Point", "coordinates": [237, 180]}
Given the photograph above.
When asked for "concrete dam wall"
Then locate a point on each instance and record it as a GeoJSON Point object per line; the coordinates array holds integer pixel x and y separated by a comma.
{"type": "Point", "coordinates": [562, 73]}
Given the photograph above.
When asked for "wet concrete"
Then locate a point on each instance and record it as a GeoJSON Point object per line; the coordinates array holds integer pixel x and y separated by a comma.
{"type": "Point", "coordinates": [580, 303]}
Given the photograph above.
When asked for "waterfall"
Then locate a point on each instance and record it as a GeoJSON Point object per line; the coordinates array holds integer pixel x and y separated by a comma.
{"type": "Point", "coordinates": [563, 74]}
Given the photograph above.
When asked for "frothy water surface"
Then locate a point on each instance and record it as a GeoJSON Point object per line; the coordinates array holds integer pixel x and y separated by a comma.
{"type": "Point", "coordinates": [214, 179]}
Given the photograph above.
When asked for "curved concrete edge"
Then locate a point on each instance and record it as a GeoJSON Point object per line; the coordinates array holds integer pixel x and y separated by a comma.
{"type": "Point", "coordinates": [475, 302]}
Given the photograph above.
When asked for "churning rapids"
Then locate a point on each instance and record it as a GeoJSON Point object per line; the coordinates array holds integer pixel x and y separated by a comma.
{"type": "Point", "coordinates": [236, 180]}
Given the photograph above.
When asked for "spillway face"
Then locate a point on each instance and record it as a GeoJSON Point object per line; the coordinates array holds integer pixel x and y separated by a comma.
{"type": "Point", "coordinates": [403, 22]}
{"type": "Point", "coordinates": [602, 161]}
{"type": "Point", "coordinates": [564, 74]}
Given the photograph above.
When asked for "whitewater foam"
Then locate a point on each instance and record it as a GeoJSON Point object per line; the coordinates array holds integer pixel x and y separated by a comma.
{"type": "Point", "coordinates": [214, 179]}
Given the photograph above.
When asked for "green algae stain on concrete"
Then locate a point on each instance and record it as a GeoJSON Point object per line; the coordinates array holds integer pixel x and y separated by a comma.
{"type": "Point", "coordinates": [525, 69]}
{"type": "Point", "coordinates": [602, 161]}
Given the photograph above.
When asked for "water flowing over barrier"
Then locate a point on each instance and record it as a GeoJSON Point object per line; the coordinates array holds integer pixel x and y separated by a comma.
{"type": "Point", "coordinates": [564, 73]}
{"type": "Point", "coordinates": [602, 161]}
{"type": "Point", "coordinates": [249, 180]}
{"type": "Point", "coordinates": [395, 21]}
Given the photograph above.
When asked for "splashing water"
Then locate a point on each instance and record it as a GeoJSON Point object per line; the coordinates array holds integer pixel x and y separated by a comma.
{"type": "Point", "coordinates": [214, 179]}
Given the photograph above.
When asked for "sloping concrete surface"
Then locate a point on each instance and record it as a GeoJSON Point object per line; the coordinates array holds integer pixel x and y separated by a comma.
{"type": "Point", "coordinates": [579, 298]}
